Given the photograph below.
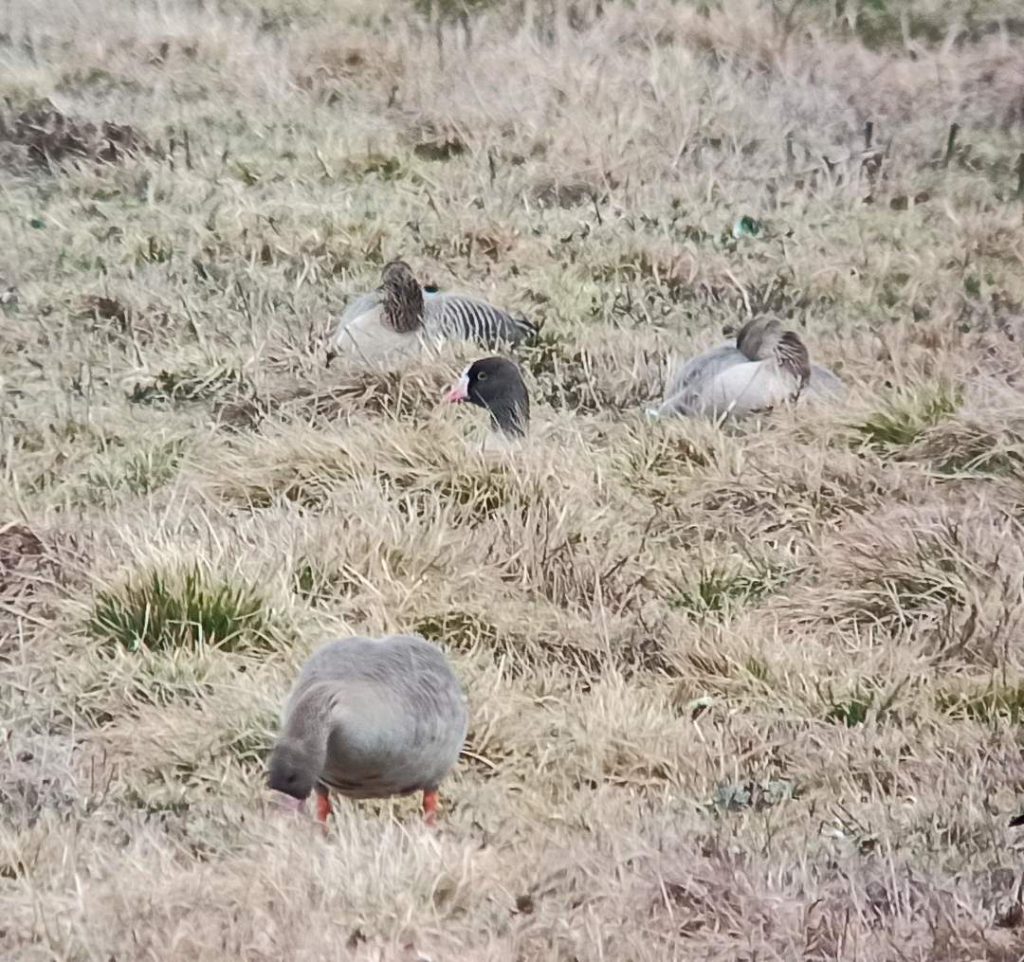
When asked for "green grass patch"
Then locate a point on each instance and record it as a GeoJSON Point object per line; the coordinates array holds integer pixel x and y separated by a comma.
{"type": "Point", "coordinates": [457, 629]}
{"type": "Point", "coordinates": [162, 611]}
{"type": "Point", "coordinates": [855, 706]}
{"type": "Point", "coordinates": [141, 472]}
{"type": "Point", "coordinates": [990, 703]}
{"type": "Point", "coordinates": [906, 418]}
{"type": "Point", "coordinates": [720, 589]}
{"type": "Point", "coordinates": [545, 353]}
{"type": "Point", "coordinates": [317, 582]}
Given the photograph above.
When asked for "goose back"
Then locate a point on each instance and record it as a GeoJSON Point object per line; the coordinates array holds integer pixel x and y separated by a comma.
{"type": "Point", "coordinates": [391, 711]}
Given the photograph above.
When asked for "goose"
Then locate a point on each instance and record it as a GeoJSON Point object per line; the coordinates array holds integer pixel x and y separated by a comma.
{"type": "Point", "coordinates": [398, 318]}
{"type": "Point", "coordinates": [495, 383]}
{"type": "Point", "coordinates": [766, 366]}
{"type": "Point", "coordinates": [370, 718]}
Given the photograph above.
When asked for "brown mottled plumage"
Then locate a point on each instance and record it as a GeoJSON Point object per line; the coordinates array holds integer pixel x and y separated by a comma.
{"type": "Point", "coordinates": [402, 297]}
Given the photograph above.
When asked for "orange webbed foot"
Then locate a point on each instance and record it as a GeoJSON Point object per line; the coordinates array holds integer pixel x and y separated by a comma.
{"type": "Point", "coordinates": [323, 806]}
{"type": "Point", "coordinates": [430, 808]}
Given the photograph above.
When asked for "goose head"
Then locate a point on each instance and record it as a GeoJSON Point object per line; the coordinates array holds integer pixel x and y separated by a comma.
{"type": "Point", "coordinates": [764, 339]}
{"type": "Point", "coordinates": [294, 769]}
{"type": "Point", "coordinates": [758, 338]}
{"type": "Point", "coordinates": [496, 384]}
{"type": "Point", "coordinates": [402, 297]}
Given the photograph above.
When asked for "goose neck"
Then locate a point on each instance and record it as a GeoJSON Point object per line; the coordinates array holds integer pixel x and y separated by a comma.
{"type": "Point", "coordinates": [403, 304]}
{"type": "Point", "coordinates": [509, 418]}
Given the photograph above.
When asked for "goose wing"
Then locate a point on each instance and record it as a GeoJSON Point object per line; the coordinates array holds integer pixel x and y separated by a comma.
{"type": "Point", "coordinates": [824, 384]}
{"type": "Point", "coordinates": [702, 368]}
{"type": "Point", "coordinates": [358, 307]}
{"type": "Point", "coordinates": [457, 316]}
{"type": "Point", "coordinates": [689, 381]}
{"type": "Point", "coordinates": [749, 388]}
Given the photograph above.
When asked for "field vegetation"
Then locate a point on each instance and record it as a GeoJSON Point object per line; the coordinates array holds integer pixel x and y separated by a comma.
{"type": "Point", "coordinates": [737, 693]}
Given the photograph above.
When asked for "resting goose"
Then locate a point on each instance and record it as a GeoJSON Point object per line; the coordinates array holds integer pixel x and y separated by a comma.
{"type": "Point", "coordinates": [767, 366]}
{"type": "Point", "coordinates": [495, 383]}
{"type": "Point", "coordinates": [398, 318]}
{"type": "Point", "coordinates": [370, 718]}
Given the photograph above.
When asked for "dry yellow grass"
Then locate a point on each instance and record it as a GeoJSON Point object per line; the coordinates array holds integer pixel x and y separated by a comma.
{"type": "Point", "coordinates": [741, 693]}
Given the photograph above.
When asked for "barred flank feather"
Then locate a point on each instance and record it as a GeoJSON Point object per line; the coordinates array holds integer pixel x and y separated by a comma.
{"type": "Point", "coordinates": [456, 316]}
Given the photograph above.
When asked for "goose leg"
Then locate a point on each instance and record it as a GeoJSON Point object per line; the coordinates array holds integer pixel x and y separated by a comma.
{"type": "Point", "coordinates": [430, 807]}
{"type": "Point", "coordinates": [323, 805]}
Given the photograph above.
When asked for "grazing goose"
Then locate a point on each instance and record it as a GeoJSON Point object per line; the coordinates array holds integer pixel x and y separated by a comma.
{"type": "Point", "coordinates": [495, 383]}
{"type": "Point", "coordinates": [370, 718]}
{"type": "Point", "coordinates": [766, 367]}
{"type": "Point", "coordinates": [400, 316]}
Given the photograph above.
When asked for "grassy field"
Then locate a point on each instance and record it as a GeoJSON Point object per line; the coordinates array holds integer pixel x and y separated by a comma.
{"type": "Point", "coordinates": [751, 692]}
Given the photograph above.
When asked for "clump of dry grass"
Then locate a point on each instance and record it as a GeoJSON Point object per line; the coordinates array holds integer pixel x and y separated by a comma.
{"type": "Point", "coordinates": [740, 691]}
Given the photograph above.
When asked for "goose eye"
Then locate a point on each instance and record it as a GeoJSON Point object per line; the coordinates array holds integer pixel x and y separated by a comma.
{"type": "Point", "coordinates": [482, 376]}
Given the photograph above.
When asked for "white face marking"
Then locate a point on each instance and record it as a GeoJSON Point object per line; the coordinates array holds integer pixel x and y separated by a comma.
{"type": "Point", "coordinates": [460, 390]}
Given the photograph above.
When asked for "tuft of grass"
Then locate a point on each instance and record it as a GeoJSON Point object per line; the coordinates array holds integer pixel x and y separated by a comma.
{"type": "Point", "coordinates": [988, 704]}
{"type": "Point", "coordinates": [249, 742]}
{"type": "Point", "coordinates": [457, 629]}
{"type": "Point", "coordinates": [142, 472]}
{"type": "Point", "coordinates": [989, 447]}
{"type": "Point", "coordinates": [919, 573]}
{"type": "Point", "coordinates": [162, 611]}
{"type": "Point", "coordinates": [480, 495]}
{"type": "Point", "coordinates": [318, 582]}
{"type": "Point", "coordinates": [188, 385]}
{"type": "Point", "coordinates": [866, 699]}
{"type": "Point", "coordinates": [905, 419]}
{"type": "Point", "coordinates": [720, 589]}
{"type": "Point", "coordinates": [545, 353]}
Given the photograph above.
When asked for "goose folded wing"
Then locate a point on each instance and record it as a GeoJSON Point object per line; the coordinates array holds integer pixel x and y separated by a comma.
{"type": "Point", "coordinates": [824, 384]}
{"type": "Point", "coordinates": [748, 388]}
{"type": "Point", "coordinates": [689, 381]}
{"type": "Point", "coordinates": [457, 316]}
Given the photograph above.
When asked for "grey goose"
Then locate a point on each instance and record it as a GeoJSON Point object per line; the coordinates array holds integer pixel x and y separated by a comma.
{"type": "Point", "coordinates": [766, 366]}
{"type": "Point", "coordinates": [370, 718]}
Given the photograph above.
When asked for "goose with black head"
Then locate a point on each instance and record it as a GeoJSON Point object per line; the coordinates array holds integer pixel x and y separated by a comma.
{"type": "Point", "coordinates": [496, 384]}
